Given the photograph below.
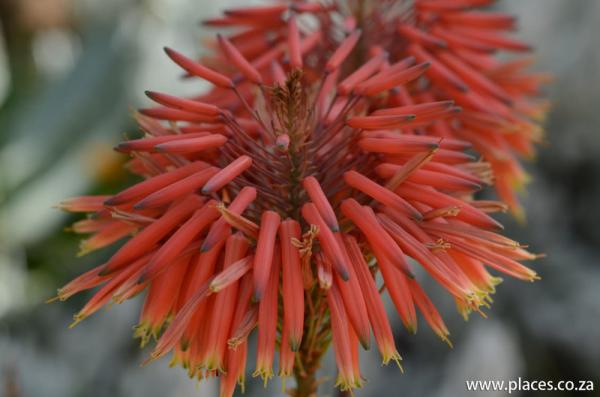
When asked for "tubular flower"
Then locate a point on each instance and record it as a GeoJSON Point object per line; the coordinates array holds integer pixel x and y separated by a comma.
{"type": "Point", "coordinates": [456, 42]}
{"type": "Point", "coordinates": [272, 201]}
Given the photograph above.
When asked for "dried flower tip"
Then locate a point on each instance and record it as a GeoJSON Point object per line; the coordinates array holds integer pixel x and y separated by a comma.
{"type": "Point", "coordinates": [324, 273]}
{"type": "Point", "coordinates": [221, 229]}
{"type": "Point", "coordinates": [231, 274]}
{"type": "Point", "coordinates": [441, 213]}
{"type": "Point", "coordinates": [238, 222]}
{"type": "Point", "coordinates": [247, 324]}
{"type": "Point", "coordinates": [403, 172]}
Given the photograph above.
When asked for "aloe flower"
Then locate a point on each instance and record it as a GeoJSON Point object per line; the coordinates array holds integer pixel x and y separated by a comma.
{"type": "Point", "coordinates": [460, 39]}
{"type": "Point", "coordinates": [270, 203]}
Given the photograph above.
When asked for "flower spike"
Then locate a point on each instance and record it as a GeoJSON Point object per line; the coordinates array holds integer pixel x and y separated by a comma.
{"type": "Point", "coordinates": [323, 167]}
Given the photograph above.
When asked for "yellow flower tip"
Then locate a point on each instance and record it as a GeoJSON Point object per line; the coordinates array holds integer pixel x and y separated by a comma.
{"type": "Point", "coordinates": [473, 298]}
{"type": "Point", "coordinates": [242, 383]}
{"type": "Point", "coordinates": [483, 299]}
{"type": "Point", "coordinates": [54, 299]}
{"type": "Point", "coordinates": [264, 373]}
{"type": "Point", "coordinates": [211, 363]}
{"type": "Point", "coordinates": [144, 332]}
{"type": "Point", "coordinates": [348, 384]}
{"type": "Point", "coordinates": [447, 340]}
{"type": "Point", "coordinates": [535, 277]}
{"type": "Point", "coordinates": [283, 373]}
{"type": "Point", "coordinates": [496, 281]}
{"type": "Point", "coordinates": [481, 313]}
{"type": "Point", "coordinates": [395, 356]}
{"type": "Point", "coordinates": [84, 248]}
{"type": "Point", "coordinates": [464, 311]}
{"type": "Point", "coordinates": [283, 377]}
{"type": "Point", "coordinates": [118, 299]}
{"type": "Point", "coordinates": [77, 318]}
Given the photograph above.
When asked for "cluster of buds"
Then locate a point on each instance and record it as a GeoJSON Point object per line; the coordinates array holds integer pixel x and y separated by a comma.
{"type": "Point", "coordinates": [331, 148]}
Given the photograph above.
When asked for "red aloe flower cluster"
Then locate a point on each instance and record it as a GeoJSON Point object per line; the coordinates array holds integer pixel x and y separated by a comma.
{"type": "Point", "coordinates": [274, 200]}
{"type": "Point", "coordinates": [499, 98]}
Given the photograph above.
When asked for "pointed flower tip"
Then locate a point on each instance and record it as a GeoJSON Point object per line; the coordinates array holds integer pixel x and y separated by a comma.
{"type": "Point", "coordinates": [411, 328]}
{"type": "Point", "coordinates": [77, 318]}
{"type": "Point", "coordinates": [265, 374]}
{"type": "Point", "coordinates": [122, 147]}
{"type": "Point", "coordinates": [365, 343]}
{"type": "Point", "coordinates": [53, 299]}
{"type": "Point", "coordinates": [104, 272]}
{"type": "Point", "coordinates": [143, 278]}
{"type": "Point", "coordinates": [111, 201]}
{"type": "Point", "coordinates": [148, 361]}
{"type": "Point", "coordinates": [447, 340]}
{"type": "Point", "coordinates": [343, 273]}
{"type": "Point", "coordinates": [534, 277]}
{"type": "Point", "coordinates": [295, 344]}
{"type": "Point", "coordinates": [393, 355]}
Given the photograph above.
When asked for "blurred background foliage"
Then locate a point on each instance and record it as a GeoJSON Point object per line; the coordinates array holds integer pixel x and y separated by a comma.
{"type": "Point", "coordinates": [70, 73]}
